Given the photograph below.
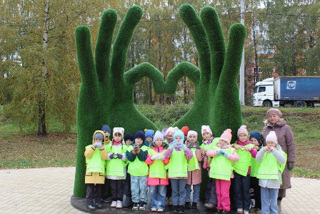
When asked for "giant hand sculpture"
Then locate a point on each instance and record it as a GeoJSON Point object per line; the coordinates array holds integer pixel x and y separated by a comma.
{"type": "Point", "coordinates": [106, 91]}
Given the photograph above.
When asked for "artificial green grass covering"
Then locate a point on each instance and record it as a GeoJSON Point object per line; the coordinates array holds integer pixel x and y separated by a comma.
{"type": "Point", "coordinates": [216, 101]}
{"type": "Point", "coordinates": [106, 91]}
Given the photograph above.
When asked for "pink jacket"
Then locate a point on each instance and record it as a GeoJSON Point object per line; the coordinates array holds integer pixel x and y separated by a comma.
{"type": "Point", "coordinates": [157, 181]}
{"type": "Point", "coordinates": [194, 177]}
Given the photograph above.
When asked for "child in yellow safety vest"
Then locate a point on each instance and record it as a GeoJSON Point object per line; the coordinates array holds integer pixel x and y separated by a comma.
{"type": "Point", "coordinates": [255, 195]}
{"type": "Point", "coordinates": [222, 169]}
{"type": "Point", "coordinates": [138, 170]}
{"type": "Point", "coordinates": [194, 170]}
{"type": "Point", "coordinates": [95, 154]}
{"type": "Point", "coordinates": [208, 142]}
{"type": "Point", "coordinates": [273, 162]}
{"type": "Point", "coordinates": [157, 178]}
{"type": "Point", "coordinates": [148, 134]}
{"type": "Point", "coordinates": [116, 167]}
{"type": "Point", "coordinates": [179, 154]}
{"type": "Point", "coordinates": [105, 193]}
{"type": "Point", "coordinates": [241, 182]}
{"type": "Point", "coordinates": [127, 202]}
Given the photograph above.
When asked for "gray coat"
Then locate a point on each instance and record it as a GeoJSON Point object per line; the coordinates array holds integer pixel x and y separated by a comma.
{"type": "Point", "coordinates": [286, 141]}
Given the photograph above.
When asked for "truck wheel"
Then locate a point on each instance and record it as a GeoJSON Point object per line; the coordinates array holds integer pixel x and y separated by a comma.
{"type": "Point", "coordinates": [267, 103]}
{"type": "Point", "coordinates": [299, 104]}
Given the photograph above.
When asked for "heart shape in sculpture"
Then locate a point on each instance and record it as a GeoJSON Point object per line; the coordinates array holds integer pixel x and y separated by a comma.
{"type": "Point", "coordinates": [106, 91]}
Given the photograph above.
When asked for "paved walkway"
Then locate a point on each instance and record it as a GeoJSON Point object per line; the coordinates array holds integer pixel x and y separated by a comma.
{"type": "Point", "coordinates": [48, 190]}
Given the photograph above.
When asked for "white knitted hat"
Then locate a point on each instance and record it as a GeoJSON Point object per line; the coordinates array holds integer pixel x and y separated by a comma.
{"type": "Point", "coordinates": [118, 130]}
{"type": "Point", "coordinates": [157, 135]}
{"type": "Point", "coordinates": [272, 137]}
{"type": "Point", "coordinates": [205, 128]}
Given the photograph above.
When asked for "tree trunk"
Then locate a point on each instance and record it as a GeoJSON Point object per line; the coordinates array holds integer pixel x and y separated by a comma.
{"type": "Point", "coordinates": [256, 74]}
{"type": "Point", "coordinates": [294, 67]}
{"type": "Point", "coordinates": [185, 100]}
{"type": "Point", "coordinates": [150, 91]}
{"type": "Point", "coordinates": [42, 130]}
{"type": "Point", "coordinates": [159, 54]}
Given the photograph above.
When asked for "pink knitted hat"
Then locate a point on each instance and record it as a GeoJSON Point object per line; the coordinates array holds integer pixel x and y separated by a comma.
{"type": "Point", "coordinates": [272, 137]}
{"type": "Point", "coordinates": [226, 135]}
{"type": "Point", "coordinates": [242, 130]}
{"type": "Point", "coordinates": [191, 132]}
{"type": "Point", "coordinates": [274, 111]}
{"type": "Point", "coordinates": [170, 130]}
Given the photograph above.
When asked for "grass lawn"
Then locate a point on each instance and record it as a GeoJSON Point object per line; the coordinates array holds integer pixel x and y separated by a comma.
{"type": "Point", "coordinates": [25, 150]}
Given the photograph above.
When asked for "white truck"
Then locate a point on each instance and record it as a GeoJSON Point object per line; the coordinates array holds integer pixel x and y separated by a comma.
{"type": "Point", "coordinates": [287, 91]}
{"type": "Point", "coordinates": [264, 94]}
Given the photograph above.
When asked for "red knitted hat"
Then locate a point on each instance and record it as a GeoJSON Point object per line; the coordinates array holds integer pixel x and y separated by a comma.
{"type": "Point", "coordinates": [185, 130]}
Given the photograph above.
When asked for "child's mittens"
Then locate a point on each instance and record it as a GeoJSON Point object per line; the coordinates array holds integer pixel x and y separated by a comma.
{"type": "Point", "coordinates": [290, 165]}
{"type": "Point", "coordinates": [174, 144]}
{"type": "Point", "coordinates": [111, 156]}
{"type": "Point", "coordinates": [136, 147]}
{"type": "Point", "coordinates": [119, 156]}
{"type": "Point", "coordinates": [98, 144]}
{"type": "Point", "coordinates": [184, 147]}
{"type": "Point", "coordinates": [219, 152]}
{"type": "Point", "coordinates": [223, 152]}
{"type": "Point", "coordinates": [205, 163]}
{"type": "Point", "coordinates": [161, 157]}
{"type": "Point", "coordinates": [226, 154]}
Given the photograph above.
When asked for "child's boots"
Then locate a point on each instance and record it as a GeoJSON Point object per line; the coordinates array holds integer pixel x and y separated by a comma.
{"type": "Point", "coordinates": [188, 205]}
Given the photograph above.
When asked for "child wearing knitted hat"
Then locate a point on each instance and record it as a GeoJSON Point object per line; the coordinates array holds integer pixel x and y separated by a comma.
{"type": "Point", "coordinates": [179, 155]}
{"type": "Point", "coordinates": [169, 135]}
{"type": "Point", "coordinates": [95, 155]}
{"type": "Point", "coordinates": [194, 170]}
{"type": "Point", "coordinates": [223, 156]}
{"type": "Point", "coordinates": [245, 149]}
{"type": "Point", "coordinates": [138, 170]}
{"type": "Point", "coordinates": [157, 179]}
{"type": "Point", "coordinates": [148, 134]}
{"type": "Point", "coordinates": [255, 139]}
{"type": "Point", "coordinates": [106, 130]}
{"type": "Point", "coordinates": [127, 202]}
{"type": "Point", "coordinates": [208, 142]}
{"type": "Point", "coordinates": [116, 167]}
{"type": "Point", "coordinates": [273, 161]}
{"type": "Point", "coordinates": [106, 186]}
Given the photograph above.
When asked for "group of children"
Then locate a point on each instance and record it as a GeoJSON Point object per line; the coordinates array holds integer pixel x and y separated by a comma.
{"type": "Point", "coordinates": [146, 161]}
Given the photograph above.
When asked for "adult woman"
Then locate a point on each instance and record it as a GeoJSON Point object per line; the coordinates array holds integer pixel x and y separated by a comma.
{"type": "Point", "coordinates": [286, 141]}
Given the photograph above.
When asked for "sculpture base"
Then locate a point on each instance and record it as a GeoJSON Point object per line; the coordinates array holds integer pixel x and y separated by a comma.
{"type": "Point", "coordinates": [81, 204]}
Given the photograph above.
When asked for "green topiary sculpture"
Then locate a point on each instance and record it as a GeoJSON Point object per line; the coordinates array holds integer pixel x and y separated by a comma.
{"type": "Point", "coordinates": [216, 101]}
{"type": "Point", "coordinates": [106, 91]}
